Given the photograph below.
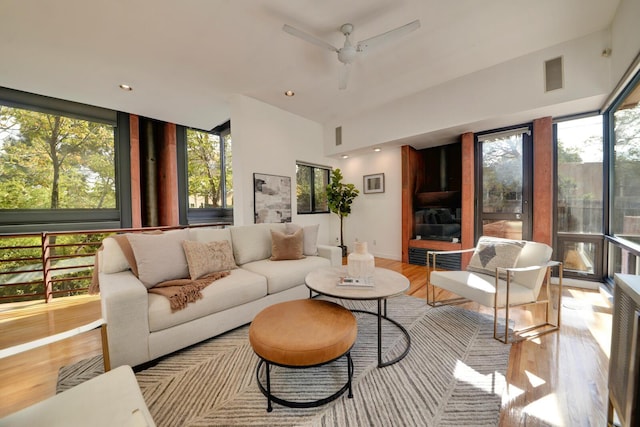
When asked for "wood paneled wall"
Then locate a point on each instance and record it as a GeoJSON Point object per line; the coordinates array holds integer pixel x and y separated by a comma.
{"type": "Point", "coordinates": [136, 189]}
{"type": "Point", "coordinates": [166, 210]}
{"type": "Point", "coordinates": [543, 176]}
{"type": "Point", "coordinates": [467, 236]}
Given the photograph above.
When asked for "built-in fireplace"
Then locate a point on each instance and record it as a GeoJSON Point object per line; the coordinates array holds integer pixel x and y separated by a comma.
{"type": "Point", "coordinates": [437, 197]}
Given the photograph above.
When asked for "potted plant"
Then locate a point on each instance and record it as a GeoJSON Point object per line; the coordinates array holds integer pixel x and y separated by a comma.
{"type": "Point", "coordinates": [339, 198]}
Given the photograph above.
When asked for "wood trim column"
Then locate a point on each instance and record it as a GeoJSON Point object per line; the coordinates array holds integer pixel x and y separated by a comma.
{"type": "Point", "coordinates": [168, 178]}
{"type": "Point", "coordinates": [134, 150]}
{"type": "Point", "coordinates": [408, 190]}
{"type": "Point", "coordinates": [543, 180]}
{"type": "Point", "coordinates": [467, 237]}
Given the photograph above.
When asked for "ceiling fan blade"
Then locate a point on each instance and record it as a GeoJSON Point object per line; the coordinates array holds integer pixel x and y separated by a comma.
{"type": "Point", "coordinates": [308, 37]}
{"type": "Point", "coordinates": [388, 36]}
{"type": "Point", "coordinates": [344, 76]}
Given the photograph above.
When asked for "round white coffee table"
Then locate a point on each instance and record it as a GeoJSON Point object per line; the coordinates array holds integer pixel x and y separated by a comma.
{"type": "Point", "coordinates": [386, 284]}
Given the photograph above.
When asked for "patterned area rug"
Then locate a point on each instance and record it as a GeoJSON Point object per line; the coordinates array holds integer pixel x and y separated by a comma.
{"type": "Point", "coordinates": [454, 374]}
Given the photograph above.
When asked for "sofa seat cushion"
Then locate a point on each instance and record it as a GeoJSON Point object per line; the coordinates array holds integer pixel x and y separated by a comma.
{"type": "Point", "coordinates": [240, 287]}
{"type": "Point", "coordinates": [282, 275]}
{"type": "Point", "coordinates": [481, 287]}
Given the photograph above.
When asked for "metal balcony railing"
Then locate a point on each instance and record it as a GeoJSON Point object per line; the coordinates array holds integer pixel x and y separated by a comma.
{"type": "Point", "coordinates": [46, 265]}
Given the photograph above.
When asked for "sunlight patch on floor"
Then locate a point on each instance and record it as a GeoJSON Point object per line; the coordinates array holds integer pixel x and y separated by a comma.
{"type": "Point", "coordinates": [491, 383]}
{"type": "Point", "coordinates": [534, 380]}
{"type": "Point", "coordinates": [546, 409]}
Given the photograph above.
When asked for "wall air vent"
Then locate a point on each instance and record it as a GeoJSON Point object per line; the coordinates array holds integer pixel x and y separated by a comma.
{"type": "Point", "coordinates": [339, 135]}
{"type": "Point", "coordinates": [553, 74]}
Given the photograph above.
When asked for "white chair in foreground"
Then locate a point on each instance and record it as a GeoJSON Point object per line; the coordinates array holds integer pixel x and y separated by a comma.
{"type": "Point", "coordinates": [502, 274]}
{"type": "Point", "coordinates": [110, 399]}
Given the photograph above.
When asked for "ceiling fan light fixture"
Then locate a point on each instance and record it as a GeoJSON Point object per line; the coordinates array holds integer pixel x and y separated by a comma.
{"type": "Point", "coordinates": [289, 93]}
{"type": "Point", "coordinates": [348, 52]}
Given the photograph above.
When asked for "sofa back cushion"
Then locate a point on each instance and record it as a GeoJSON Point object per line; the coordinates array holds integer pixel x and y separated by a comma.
{"type": "Point", "coordinates": [310, 236]}
{"type": "Point", "coordinates": [112, 259]}
{"type": "Point", "coordinates": [160, 257]}
{"type": "Point", "coordinates": [252, 242]}
{"type": "Point", "coordinates": [209, 234]}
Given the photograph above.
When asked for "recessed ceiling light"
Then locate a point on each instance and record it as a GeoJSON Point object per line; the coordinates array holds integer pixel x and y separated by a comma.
{"type": "Point", "coordinates": [289, 93]}
{"type": "Point", "coordinates": [126, 87]}
{"type": "Point", "coordinates": [344, 156]}
{"type": "Point", "coordinates": [377, 150]}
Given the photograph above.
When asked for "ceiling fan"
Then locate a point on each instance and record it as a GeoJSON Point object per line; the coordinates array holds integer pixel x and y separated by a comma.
{"type": "Point", "coordinates": [347, 53]}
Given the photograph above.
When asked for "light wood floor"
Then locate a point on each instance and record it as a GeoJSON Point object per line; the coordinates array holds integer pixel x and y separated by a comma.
{"type": "Point", "coordinates": [559, 379]}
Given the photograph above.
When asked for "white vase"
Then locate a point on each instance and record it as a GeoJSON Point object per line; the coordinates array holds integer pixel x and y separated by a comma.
{"type": "Point", "coordinates": [360, 264]}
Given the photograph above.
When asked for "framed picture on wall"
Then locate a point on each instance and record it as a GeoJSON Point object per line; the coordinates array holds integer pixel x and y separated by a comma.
{"type": "Point", "coordinates": [271, 198]}
{"type": "Point", "coordinates": [374, 183]}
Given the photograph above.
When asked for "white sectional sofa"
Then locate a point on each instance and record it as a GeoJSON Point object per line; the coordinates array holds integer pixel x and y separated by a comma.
{"type": "Point", "coordinates": [141, 325]}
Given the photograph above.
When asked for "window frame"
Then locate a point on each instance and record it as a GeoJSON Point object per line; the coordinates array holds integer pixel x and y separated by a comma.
{"type": "Point", "coordinates": [563, 238]}
{"type": "Point", "coordinates": [615, 243]}
{"type": "Point", "coordinates": [312, 186]}
{"type": "Point", "coordinates": [188, 215]}
{"type": "Point", "coordinates": [39, 220]}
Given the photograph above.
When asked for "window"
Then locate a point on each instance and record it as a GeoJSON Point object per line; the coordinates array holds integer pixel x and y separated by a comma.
{"type": "Point", "coordinates": [625, 214]}
{"type": "Point", "coordinates": [579, 196]}
{"type": "Point", "coordinates": [58, 164]}
{"type": "Point", "coordinates": [209, 175]}
{"type": "Point", "coordinates": [504, 158]}
{"type": "Point", "coordinates": [311, 184]}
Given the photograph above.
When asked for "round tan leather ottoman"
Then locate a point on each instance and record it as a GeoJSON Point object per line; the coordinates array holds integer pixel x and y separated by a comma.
{"type": "Point", "coordinates": [302, 334]}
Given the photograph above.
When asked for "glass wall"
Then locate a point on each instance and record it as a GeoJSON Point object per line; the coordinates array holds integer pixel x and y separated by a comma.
{"type": "Point", "coordinates": [625, 214]}
{"type": "Point", "coordinates": [579, 195]}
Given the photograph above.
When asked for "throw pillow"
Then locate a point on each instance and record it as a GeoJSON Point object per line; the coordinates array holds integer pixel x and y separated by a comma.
{"type": "Point", "coordinates": [286, 246]}
{"type": "Point", "coordinates": [210, 257]}
{"type": "Point", "coordinates": [160, 257]}
{"type": "Point", "coordinates": [310, 237]}
{"type": "Point", "coordinates": [492, 252]}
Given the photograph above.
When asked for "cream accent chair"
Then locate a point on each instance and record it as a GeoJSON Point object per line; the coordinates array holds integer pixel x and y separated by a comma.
{"type": "Point", "coordinates": [509, 286]}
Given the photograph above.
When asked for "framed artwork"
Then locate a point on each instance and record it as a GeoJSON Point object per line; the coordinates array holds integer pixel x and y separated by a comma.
{"type": "Point", "coordinates": [374, 183]}
{"type": "Point", "coordinates": [271, 198]}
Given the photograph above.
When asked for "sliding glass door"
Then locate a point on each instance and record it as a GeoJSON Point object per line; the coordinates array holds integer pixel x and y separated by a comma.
{"type": "Point", "coordinates": [505, 183]}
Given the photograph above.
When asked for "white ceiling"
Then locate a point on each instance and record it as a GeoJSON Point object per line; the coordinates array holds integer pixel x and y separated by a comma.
{"type": "Point", "coordinates": [186, 58]}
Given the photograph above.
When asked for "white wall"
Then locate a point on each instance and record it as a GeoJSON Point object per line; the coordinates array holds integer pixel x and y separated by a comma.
{"type": "Point", "coordinates": [625, 37]}
{"type": "Point", "coordinates": [501, 95]}
{"type": "Point", "coordinates": [269, 140]}
{"type": "Point", "coordinates": [376, 218]}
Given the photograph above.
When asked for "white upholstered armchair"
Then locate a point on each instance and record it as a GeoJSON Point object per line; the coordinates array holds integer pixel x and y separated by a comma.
{"type": "Point", "coordinates": [502, 274]}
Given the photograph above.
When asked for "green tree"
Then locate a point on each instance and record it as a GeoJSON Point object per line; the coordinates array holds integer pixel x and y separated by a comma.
{"type": "Point", "coordinates": [203, 154]}
{"type": "Point", "coordinates": [55, 162]}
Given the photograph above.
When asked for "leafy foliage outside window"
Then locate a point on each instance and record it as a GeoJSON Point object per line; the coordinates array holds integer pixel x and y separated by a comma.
{"type": "Point", "coordinates": [311, 184]}
{"type": "Point", "coordinates": [580, 171]}
{"type": "Point", "coordinates": [55, 162]}
{"type": "Point", "coordinates": [502, 174]}
{"type": "Point", "coordinates": [210, 177]}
